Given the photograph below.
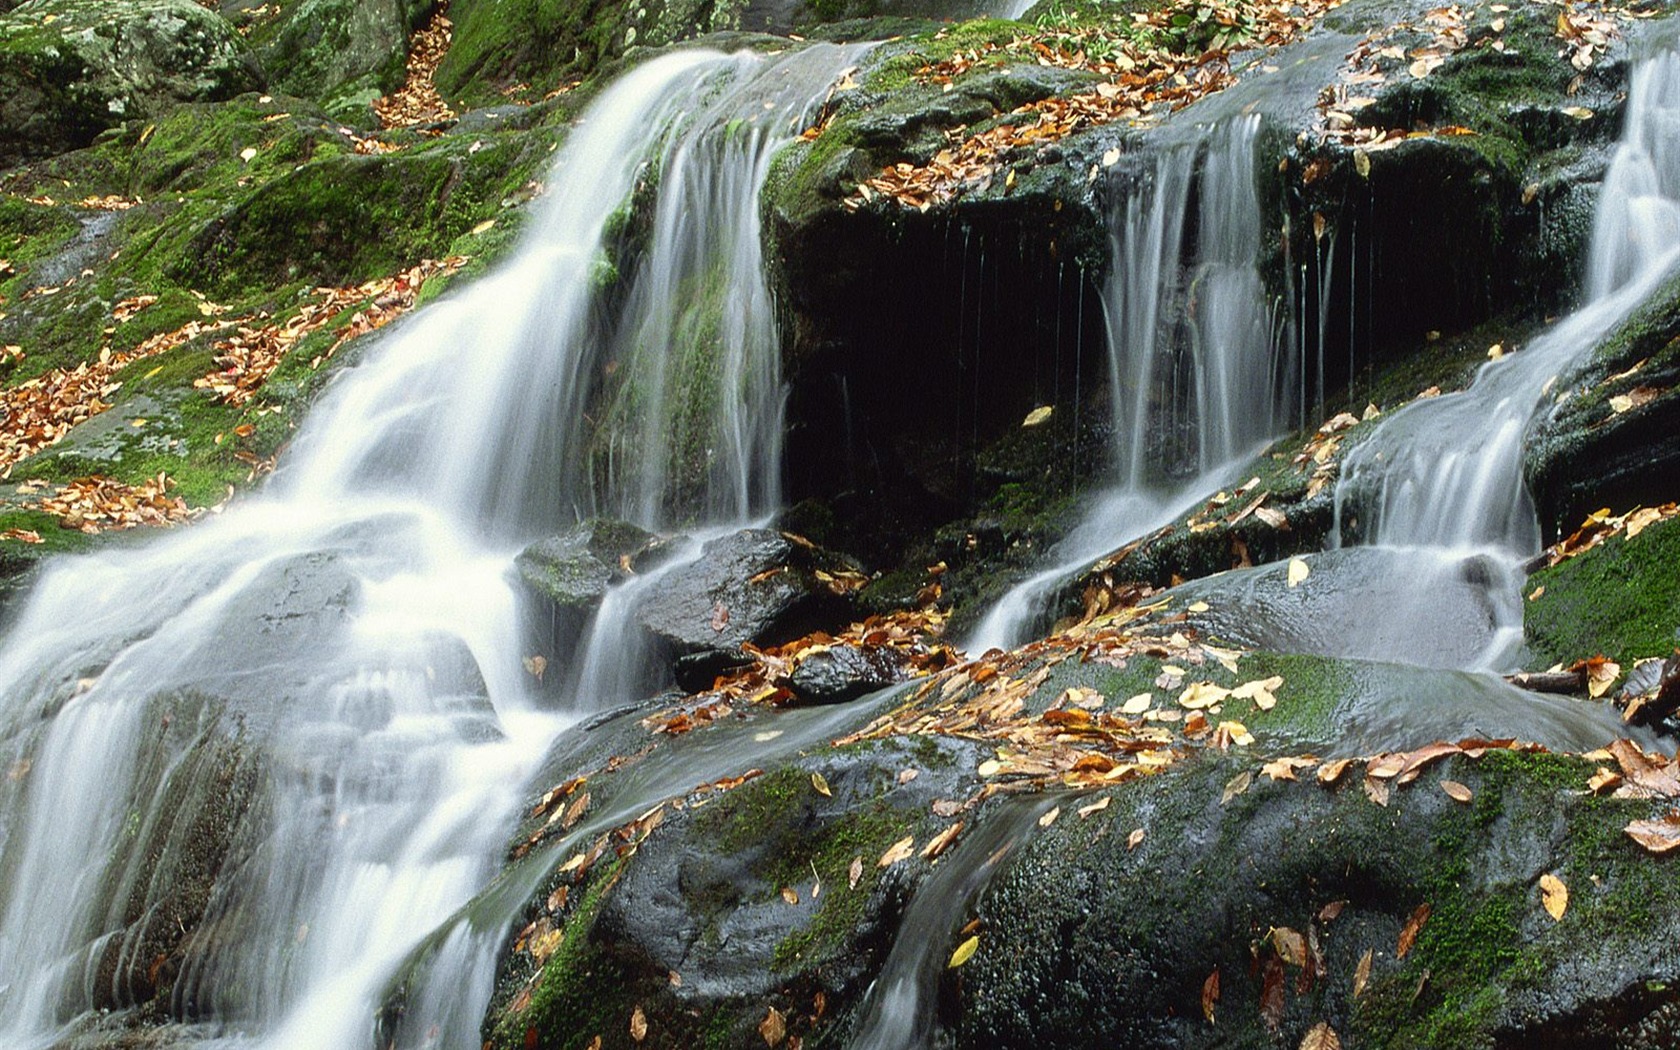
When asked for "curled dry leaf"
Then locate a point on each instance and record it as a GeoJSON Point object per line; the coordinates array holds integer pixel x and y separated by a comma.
{"type": "Point", "coordinates": [1554, 896]}
{"type": "Point", "coordinates": [638, 1025]}
{"type": "Point", "coordinates": [1661, 835]}
{"type": "Point", "coordinates": [942, 841]}
{"type": "Point", "coordinates": [1330, 772]}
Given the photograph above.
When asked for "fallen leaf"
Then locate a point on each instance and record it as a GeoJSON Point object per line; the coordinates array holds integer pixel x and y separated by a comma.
{"type": "Point", "coordinates": [898, 851]}
{"type": "Point", "coordinates": [1290, 945]}
{"type": "Point", "coordinates": [1321, 1037]}
{"type": "Point", "coordinates": [942, 841]}
{"type": "Point", "coordinates": [1409, 933]}
{"type": "Point", "coordinates": [1210, 994]}
{"type": "Point", "coordinates": [1457, 791]}
{"type": "Point", "coordinates": [790, 895]}
{"type": "Point", "coordinates": [1375, 790]}
{"type": "Point", "coordinates": [965, 951]}
{"type": "Point", "coordinates": [1298, 572]}
{"type": "Point", "coordinates": [854, 873]}
{"type": "Point", "coordinates": [1554, 896]}
{"type": "Point", "coordinates": [1330, 772]}
{"type": "Point", "coordinates": [773, 1028]}
{"type": "Point", "coordinates": [1272, 993]}
{"type": "Point", "coordinates": [1050, 817]}
{"type": "Point", "coordinates": [1096, 807]}
{"type": "Point", "coordinates": [1135, 839]}
{"type": "Point", "coordinates": [1236, 786]}
{"type": "Point", "coordinates": [1661, 835]}
{"type": "Point", "coordinates": [1362, 974]}
{"type": "Point", "coordinates": [1037, 416]}
{"type": "Point", "coordinates": [1138, 704]}
{"type": "Point", "coordinates": [638, 1025]}
{"type": "Point", "coordinates": [1330, 912]}
{"type": "Point", "coordinates": [821, 785]}
{"type": "Point", "coordinates": [1199, 695]}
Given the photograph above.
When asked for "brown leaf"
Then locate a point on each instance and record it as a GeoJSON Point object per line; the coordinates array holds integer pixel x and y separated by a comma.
{"type": "Point", "coordinates": [1409, 933]}
{"type": "Point", "coordinates": [638, 1025]}
{"type": "Point", "coordinates": [790, 895]}
{"type": "Point", "coordinates": [1330, 911]}
{"type": "Point", "coordinates": [773, 1028]}
{"type": "Point", "coordinates": [1135, 839]}
{"type": "Point", "coordinates": [1272, 993]}
{"type": "Point", "coordinates": [1362, 974]}
{"type": "Point", "coordinates": [1554, 896]}
{"type": "Point", "coordinates": [720, 617]}
{"type": "Point", "coordinates": [854, 873]}
{"type": "Point", "coordinates": [1330, 772]}
{"type": "Point", "coordinates": [1642, 771]}
{"type": "Point", "coordinates": [1290, 945]}
{"type": "Point", "coordinates": [1603, 780]}
{"type": "Point", "coordinates": [1658, 836]}
{"type": "Point", "coordinates": [1457, 791]}
{"type": "Point", "coordinates": [1210, 994]}
{"type": "Point", "coordinates": [1376, 790]}
{"type": "Point", "coordinates": [1236, 786]}
{"type": "Point", "coordinates": [1321, 1037]}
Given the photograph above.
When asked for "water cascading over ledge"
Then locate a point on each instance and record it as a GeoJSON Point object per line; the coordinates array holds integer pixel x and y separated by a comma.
{"type": "Point", "coordinates": [1199, 372]}
{"type": "Point", "coordinates": [257, 761]}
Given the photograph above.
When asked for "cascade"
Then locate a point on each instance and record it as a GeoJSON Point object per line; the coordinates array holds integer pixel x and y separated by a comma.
{"type": "Point", "coordinates": [279, 749]}
{"type": "Point", "coordinates": [1439, 485]}
{"type": "Point", "coordinates": [1195, 381]}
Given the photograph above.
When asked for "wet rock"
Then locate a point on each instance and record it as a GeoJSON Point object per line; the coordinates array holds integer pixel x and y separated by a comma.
{"type": "Point", "coordinates": [1071, 954]}
{"type": "Point", "coordinates": [1612, 437]}
{"type": "Point", "coordinates": [835, 676]}
{"type": "Point", "coordinates": [574, 568]}
{"type": "Point", "coordinates": [71, 68]}
{"type": "Point", "coordinates": [755, 586]}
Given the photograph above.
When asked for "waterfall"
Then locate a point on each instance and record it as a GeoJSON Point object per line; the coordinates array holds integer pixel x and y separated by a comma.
{"type": "Point", "coordinates": [264, 757]}
{"type": "Point", "coordinates": [1441, 480]}
{"type": "Point", "coordinates": [1194, 376]}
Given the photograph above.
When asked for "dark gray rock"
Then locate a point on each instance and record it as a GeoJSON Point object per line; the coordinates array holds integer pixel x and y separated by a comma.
{"type": "Point", "coordinates": [755, 585]}
{"type": "Point", "coordinates": [835, 676]}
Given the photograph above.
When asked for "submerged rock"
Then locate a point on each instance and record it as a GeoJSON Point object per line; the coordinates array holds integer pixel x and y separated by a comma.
{"type": "Point", "coordinates": [71, 68]}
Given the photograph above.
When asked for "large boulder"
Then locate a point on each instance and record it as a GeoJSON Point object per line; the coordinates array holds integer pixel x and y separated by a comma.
{"type": "Point", "coordinates": [344, 53]}
{"type": "Point", "coordinates": [72, 68]}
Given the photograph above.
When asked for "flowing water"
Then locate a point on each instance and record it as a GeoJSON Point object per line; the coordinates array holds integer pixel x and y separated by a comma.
{"type": "Point", "coordinates": [307, 720]}
{"type": "Point", "coordinates": [1195, 379]}
{"type": "Point", "coordinates": [1439, 485]}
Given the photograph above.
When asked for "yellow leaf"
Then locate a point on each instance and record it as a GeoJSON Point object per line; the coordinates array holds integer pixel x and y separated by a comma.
{"type": "Point", "coordinates": [1050, 817]}
{"type": "Point", "coordinates": [1038, 415]}
{"type": "Point", "coordinates": [1199, 695]}
{"type": "Point", "coordinates": [790, 895]}
{"type": "Point", "coordinates": [1138, 704]}
{"type": "Point", "coordinates": [1298, 571]}
{"type": "Point", "coordinates": [638, 1025]}
{"type": "Point", "coordinates": [965, 951]}
{"type": "Point", "coordinates": [1135, 839]}
{"type": "Point", "coordinates": [484, 227]}
{"type": "Point", "coordinates": [1236, 786]}
{"type": "Point", "coordinates": [1095, 807]}
{"type": "Point", "coordinates": [821, 785]}
{"type": "Point", "coordinates": [898, 851]}
{"type": "Point", "coordinates": [1554, 895]}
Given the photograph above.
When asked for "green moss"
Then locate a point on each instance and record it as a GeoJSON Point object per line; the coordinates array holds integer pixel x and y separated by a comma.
{"type": "Point", "coordinates": [1620, 599]}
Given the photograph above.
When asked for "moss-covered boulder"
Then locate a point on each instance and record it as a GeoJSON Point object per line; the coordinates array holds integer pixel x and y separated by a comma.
{"type": "Point", "coordinates": [71, 68]}
{"type": "Point", "coordinates": [1276, 900]}
{"type": "Point", "coordinates": [344, 53]}
{"type": "Point", "coordinates": [1621, 599]}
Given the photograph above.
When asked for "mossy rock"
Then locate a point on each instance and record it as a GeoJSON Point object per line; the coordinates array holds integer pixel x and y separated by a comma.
{"type": "Point", "coordinates": [339, 52]}
{"type": "Point", "coordinates": [1071, 949]}
{"type": "Point", "coordinates": [1621, 599]}
{"type": "Point", "coordinates": [71, 68]}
